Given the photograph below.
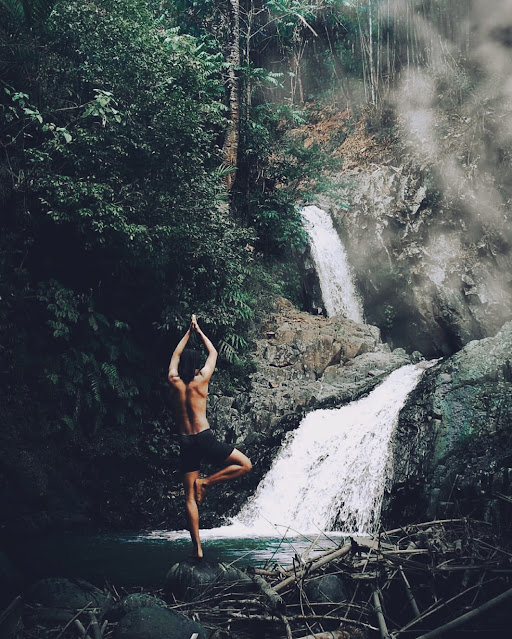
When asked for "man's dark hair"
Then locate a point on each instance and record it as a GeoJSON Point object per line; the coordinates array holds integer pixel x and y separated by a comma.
{"type": "Point", "coordinates": [190, 361]}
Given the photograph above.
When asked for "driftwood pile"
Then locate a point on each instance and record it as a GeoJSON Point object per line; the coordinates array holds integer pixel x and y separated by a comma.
{"type": "Point", "coordinates": [423, 580]}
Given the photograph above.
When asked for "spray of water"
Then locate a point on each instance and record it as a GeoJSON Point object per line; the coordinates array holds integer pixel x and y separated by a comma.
{"type": "Point", "coordinates": [331, 472]}
{"type": "Point", "coordinates": [336, 280]}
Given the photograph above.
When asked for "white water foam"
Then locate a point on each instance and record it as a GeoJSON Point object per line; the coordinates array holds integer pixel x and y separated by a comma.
{"type": "Point", "coordinates": [336, 280]}
{"type": "Point", "coordinates": [331, 471]}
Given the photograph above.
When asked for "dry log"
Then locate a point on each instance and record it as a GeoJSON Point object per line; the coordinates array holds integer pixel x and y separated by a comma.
{"type": "Point", "coordinates": [314, 566]}
{"type": "Point", "coordinates": [434, 523]}
{"type": "Point", "coordinates": [469, 616]}
{"type": "Point", "coordinates": [266, 573]}
{"type": "Point", "coordinates": [408, 590]}
{"type": "Point", "coordinates": [380, 615]}
{"type": "Point", "coordinates": [335, 634]}
{"type": "Point", "coordinates": [273, 598]}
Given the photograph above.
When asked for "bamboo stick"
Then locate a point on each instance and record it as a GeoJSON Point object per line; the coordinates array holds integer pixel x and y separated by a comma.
{"type": "Point", "coordinates": [286, 627]}
{"type": "Point", "coordinates": [380, 615]}
{"type": "Point", "coordinates": [469, 616]}
{"type": "Point", "coordinates": [435, 608]}
{"type": "Point", "coordinates": [408, 590]}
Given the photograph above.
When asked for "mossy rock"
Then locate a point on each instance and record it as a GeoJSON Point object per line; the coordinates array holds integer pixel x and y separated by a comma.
{"type": "Point", "coordinates": [188, 579]}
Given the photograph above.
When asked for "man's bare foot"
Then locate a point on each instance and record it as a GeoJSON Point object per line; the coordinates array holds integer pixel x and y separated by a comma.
{"type": "Point", "coordinates": [200, 490]}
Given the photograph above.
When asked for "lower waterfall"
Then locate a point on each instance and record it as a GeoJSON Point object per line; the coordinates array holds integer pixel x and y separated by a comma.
{"type": "Point", "coordinates": [331, 472]}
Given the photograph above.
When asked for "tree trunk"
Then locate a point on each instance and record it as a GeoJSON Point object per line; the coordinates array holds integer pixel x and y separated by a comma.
{"type": "Point", "coordinates": [230, 148]}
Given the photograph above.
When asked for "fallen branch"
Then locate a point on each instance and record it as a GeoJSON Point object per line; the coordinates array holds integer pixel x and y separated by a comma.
{"type": "Point", "coordinates": [273, 598]}
{"type": "Point", "coordinates": [287, 627]}
{"type": "Point", "coordinates": [74, 618]}
{"type": "Point", "coordinates": [380, 615]}
{"type": "Point", "coordinates": [410, 595]}
{"type": "Point", "coordinates": [469, 616]}
{"type": "Point", "coordinates": [276, 619]}
{"type": "Point", "coordinates": [313, 566]}
{"type": "Point", "coordinates": [335, 634]}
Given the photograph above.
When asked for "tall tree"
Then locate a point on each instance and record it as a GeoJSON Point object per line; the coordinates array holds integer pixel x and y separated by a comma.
{"type": "Point", "coordinates": [231, 141]}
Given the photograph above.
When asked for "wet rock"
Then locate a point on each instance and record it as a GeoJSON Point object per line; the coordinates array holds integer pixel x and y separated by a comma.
{"type": "Point", "coordinates": [61, 592]}
{"type": "Point", "coordinates": [427, 281]}
{"type": "Point", "coordinates": [57, 599]}
{"type": "Point", "coordinates": [157, 623]}
{"type": "Point", "coordinates": [188, 579]}
{"type": "Point", "coordinates": [326, 589]}
{"type": "Point", "coordinates": [452, 447]}
{"type": "Point", "coordinates": [133, 602]}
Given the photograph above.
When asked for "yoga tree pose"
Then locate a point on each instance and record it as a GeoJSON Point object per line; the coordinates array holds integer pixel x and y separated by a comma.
{"type": "Point", "coordinates": [189, 382]}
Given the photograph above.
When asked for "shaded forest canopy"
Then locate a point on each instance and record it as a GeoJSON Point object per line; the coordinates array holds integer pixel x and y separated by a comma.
{"type": "Point", "coordinates": [152, 161]}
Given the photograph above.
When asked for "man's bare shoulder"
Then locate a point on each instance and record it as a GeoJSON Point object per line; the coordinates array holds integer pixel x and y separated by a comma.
{"type": "Point", "coordinates": [177, 383]}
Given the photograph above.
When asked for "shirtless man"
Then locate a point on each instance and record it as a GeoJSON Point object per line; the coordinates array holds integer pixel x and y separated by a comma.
{"type": "Point", "coordinates": [189, 385]}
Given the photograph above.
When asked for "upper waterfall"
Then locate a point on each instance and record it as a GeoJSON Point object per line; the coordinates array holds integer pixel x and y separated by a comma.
{"type": "Point", "coordinates": [330, 473]}
{"type": "Point", "coordinates": [336, 281]}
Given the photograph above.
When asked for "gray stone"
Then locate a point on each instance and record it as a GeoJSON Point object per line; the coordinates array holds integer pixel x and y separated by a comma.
{"type": "Point", "coordinates": [326, 589]}
{"type": "Point", "coordinates": [157, 623]}
{"type": "Point", "coordinates": [453, 441]}
{"type": "Point", "coordinates": [61, 592]}
{"type": "Point", "coordinates": [187, 580]}
{"type": "Point", "coordinates": [132, 602]}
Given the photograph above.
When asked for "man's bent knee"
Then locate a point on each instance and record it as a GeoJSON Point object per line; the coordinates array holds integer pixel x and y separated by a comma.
{"type": "Point", "coordinates": [246, 465]}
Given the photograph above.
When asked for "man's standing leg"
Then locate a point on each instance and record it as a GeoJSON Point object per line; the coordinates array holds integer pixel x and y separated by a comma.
{"type": "Point", "coordinates": [192, 511]}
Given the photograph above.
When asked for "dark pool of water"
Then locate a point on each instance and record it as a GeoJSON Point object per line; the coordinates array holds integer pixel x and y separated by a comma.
{"type": "Point", "coordinates": [143, 559]}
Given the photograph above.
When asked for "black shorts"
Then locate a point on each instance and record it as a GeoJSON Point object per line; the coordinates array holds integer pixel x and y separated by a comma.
{"type": "Point", "coordinates": [202, 445]}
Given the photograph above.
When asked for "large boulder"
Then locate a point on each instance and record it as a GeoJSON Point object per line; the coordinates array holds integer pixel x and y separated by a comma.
{"type": "Point", "coordinates": [452, 448]}
{"type": "Point", "coordinates": [187, 580]}
{"type": "Point", "coordinates": [155, 622]}
{"type": "Point", "coordinates": [132, 602]}
{"type": "Point", "coordinates": [57, 599]}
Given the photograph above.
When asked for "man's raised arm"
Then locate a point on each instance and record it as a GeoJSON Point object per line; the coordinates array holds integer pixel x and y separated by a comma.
{"type": "Point", "coordinates": [209, 366]}
{"type": "Point", "coordinates": [175, 359]}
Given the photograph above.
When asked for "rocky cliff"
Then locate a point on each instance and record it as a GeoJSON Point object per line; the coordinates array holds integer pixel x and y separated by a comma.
{"type": "Point", "coordinates": [304, 362]}
{"type": "Point", "coordinates": [431, 256]}
{"type": "Point", "coordinates": [452, 449]}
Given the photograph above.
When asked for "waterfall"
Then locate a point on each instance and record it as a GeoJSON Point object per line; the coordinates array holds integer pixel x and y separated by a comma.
{"type": "Point", "coordinates": [336, 281]}
{"type": "Point", "coordinates": [331, 471]}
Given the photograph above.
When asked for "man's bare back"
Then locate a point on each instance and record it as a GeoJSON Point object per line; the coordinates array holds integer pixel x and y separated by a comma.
{"type": "Point", "coordinates": [190, 404]}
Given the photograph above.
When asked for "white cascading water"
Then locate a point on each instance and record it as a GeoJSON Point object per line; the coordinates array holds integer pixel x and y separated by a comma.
{"type": "Point", "coordinates": [331, 471]}
{"type": "Point", "coordinates": [336, 281]}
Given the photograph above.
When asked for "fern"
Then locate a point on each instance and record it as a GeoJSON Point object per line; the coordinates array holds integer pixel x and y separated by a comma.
{"type": "Point", "coordinates": [29, 13]}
